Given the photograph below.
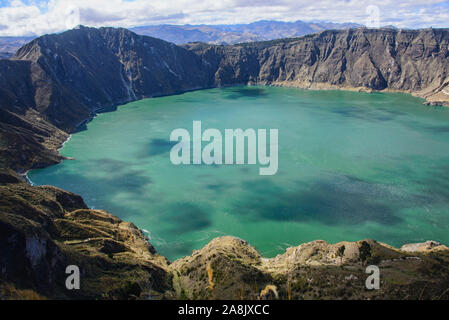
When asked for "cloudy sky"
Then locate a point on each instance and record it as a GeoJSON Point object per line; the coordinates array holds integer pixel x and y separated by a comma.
{"type": "Point", "coordinates": [34, 17]}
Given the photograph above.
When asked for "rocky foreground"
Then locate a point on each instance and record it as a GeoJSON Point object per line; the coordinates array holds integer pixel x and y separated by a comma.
{"type": "Point", "coordinates": [57, 82]}
{"type": "Point", "coordinates": [45, 229]}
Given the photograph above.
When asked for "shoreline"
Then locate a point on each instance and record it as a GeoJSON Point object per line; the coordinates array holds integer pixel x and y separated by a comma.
{"type": "Point", "coordinates": [63, 144]}
{"type": "Point", "coordinates": [25, 174]}
{"type": "Point", "coordinates": [27, 179]}
{"type": "Point", "coordinates": [322, 86]}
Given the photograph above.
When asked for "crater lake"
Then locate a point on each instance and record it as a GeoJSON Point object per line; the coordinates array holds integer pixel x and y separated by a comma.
{"type": "Point", "coordinates": [351, 166]}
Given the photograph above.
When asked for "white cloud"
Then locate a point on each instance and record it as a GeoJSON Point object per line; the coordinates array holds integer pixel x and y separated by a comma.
{"type": "Point", "coordinates": [39, 17]}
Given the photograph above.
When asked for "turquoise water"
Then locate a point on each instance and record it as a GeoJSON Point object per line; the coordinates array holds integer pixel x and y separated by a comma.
{"type": "Point", "coordinates": [351, 166]}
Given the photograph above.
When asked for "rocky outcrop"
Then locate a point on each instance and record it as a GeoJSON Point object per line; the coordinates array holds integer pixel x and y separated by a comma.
{"type": "Point", "coordinates": [45, 229]}
{"type": "Point", "coordinates": [229, 268]}
{"type": "Point", "coordinates": [428, 246]}
{"type": "Point", "coordinates": [364, 59]}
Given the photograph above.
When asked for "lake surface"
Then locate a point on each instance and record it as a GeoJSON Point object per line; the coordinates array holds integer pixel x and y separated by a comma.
{"type": "Point", "coordinates": [351, 166]}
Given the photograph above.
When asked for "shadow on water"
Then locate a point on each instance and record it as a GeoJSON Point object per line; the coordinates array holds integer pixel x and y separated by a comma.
{"type": "Point", "coordinates": [110, 165]}
{"type": "Point", "coordinates": [366, 114]}
{"type": "Point", "coordinates": [437, 129]}
{"type": "Point", "coordinates": [177, 249]}
{"type": "Point", "coordinates": [185, 217]}
{"type": "Point", "coordinates": [435, 185]}
{"type": "Point", "coordinates": [157, 147]}
{"type": "Point", "coordinates": [102, 191]}
{"type": "Point", "coordinates": [343, 200]}
{"type": "Point", "coordinates": [246, 92]}
{"type": "Point", "coordinates": [218, 187]}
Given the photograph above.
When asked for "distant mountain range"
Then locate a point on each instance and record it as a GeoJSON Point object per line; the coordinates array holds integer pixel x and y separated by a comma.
{"type": "Point", "coordinates": [213, 34]}
{"type": "Point", "coordinates": [9, 45]}
{"type": "Point", "coordinates": [238, 33]}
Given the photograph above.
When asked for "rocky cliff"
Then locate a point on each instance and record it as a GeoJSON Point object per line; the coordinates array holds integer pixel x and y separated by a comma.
{"type": "Point", "coordinates": [229, 268]}
{"type": "Point", "coordinates": [56, 82]}
{"type": "Point", "coordinates": [365, 59]}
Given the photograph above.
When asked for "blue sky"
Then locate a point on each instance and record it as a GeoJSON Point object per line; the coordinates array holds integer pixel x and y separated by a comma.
{"type": "Point", "coordinates": [34, 17]}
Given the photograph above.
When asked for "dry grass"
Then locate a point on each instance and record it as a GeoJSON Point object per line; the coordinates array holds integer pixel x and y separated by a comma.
{"type": "Point", "coordinates": [265, 292]}
{"type": "Point", "coordinates": [210, 278]}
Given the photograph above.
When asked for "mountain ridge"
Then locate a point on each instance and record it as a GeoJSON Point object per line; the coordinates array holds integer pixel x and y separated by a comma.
{"type": "Point", "coordinates": [236, 33]}
{"type": "Point", "coordinates": [216, 34]}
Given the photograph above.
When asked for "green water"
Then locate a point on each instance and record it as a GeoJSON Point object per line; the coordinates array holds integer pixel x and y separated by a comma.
{"type": "Point", "coordinates": [351, 166]}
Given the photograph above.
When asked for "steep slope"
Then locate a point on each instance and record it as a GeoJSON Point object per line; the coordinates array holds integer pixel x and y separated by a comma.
{"type": "Point", "coordinates": [27, 139]}
{"type": "Point", "coordinates": [44, 229]}
{"type": "Point", "coordinates": [88, 69]}
{"type": "Point", "coordinates": [369, 59]}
